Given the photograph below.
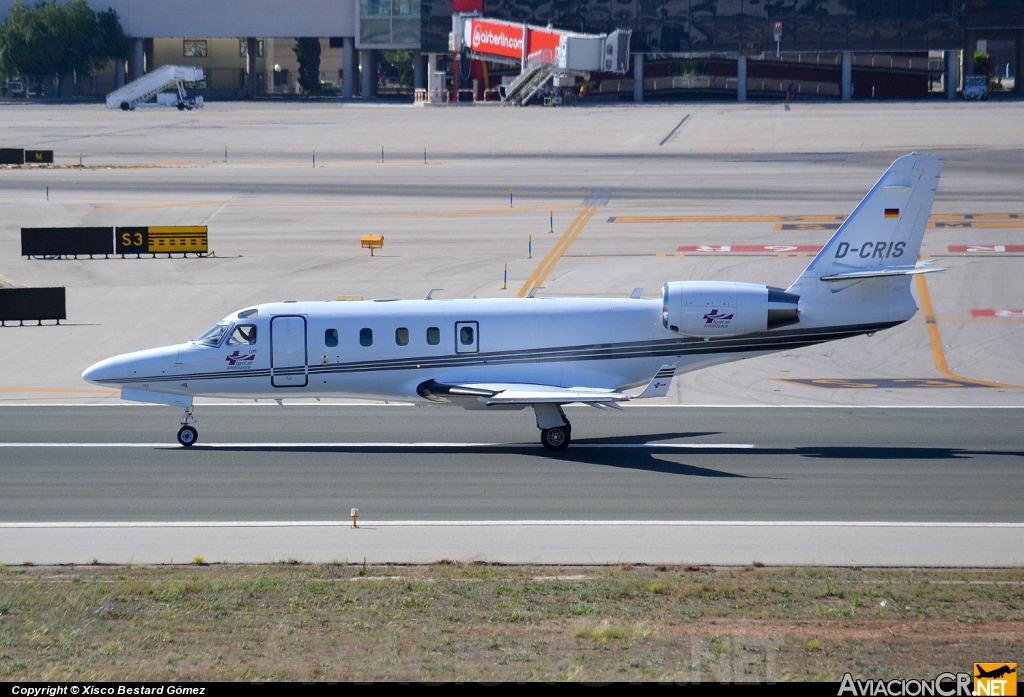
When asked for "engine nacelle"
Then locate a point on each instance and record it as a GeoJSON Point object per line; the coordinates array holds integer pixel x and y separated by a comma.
{"type": "Point", "coordinates": [719, 308]}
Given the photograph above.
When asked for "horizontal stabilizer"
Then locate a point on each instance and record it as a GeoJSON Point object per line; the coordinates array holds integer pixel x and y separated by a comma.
{"type": "Point", "coordinates": [879, 273]}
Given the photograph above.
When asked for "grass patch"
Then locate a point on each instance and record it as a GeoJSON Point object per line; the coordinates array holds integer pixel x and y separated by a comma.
{"type": "Point", "coordinates": [452, 621]}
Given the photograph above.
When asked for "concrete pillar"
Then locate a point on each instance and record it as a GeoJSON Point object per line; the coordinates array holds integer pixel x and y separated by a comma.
{"type": "Point", "coordinates": [136, 63]}
{"type": "Point", "coordinates": [348, 66]}
{"type": "Point", "coordinates": [268, 65]}
{"type": "Point", "coordinates": [952, 74]}
{"type": "Point", "coordinates": [369, 72]}
{"type": "Point", "coordinates": [847, 80]}
{"type": "Point", "coordinates": [148, 64]}
{"type": "Point", "coordinates": [971, 45]}
{"type": "Point", "coordinates": [741, 79]}
{"type": "Point", "coordinates": [638, 77]}
{"type": "Point", "coordinates": [119, 73]}
{"type": "Point", "coordinates": [431, 70]}
{"type": "Point", "coordinates": [419, 78]}
{"type": "Point", "coordinates": [250, 67]}
{"type": "Point", "coordinates": [1018, 63]}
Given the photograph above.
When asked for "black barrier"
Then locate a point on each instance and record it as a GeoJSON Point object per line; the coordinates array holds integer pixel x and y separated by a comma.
{"type": "Point", "coordinates": [20, 304]}
{"type": "Point", "coordinates": [12, 156]}
{"type": "Point", "coordinates": [66, 241]}
{"type": "Point", "coordinates": [39, 157]}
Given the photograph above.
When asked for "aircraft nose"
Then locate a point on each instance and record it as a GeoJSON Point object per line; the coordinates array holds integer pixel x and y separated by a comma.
{"type": "Point", "coordinates": [131, 367]}
{"type": "Point", "coordinates": [105, 372]}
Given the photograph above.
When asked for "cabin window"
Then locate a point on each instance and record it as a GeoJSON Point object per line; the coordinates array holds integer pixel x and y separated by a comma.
{"type": "Point", "coordinates": [433, 336]}
{"type": "Point", "coordinates": [248, 314]}
{"type": "Point", "coordinates": [366, 337]}
{"type": "Point", "coordinates": [243, 334]}
{"type": "Point", "coordinates": [402, 336]}
{"type": "Point", "coordinates": [466, 336]}
{"type": "Point", "coordinates": [331, 337]}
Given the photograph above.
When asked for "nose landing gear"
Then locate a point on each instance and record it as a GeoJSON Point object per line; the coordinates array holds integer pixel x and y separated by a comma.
{"type": "Point", "coordinates": [187, 434]}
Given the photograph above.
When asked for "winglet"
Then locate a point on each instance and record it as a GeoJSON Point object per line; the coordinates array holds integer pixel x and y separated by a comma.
{"type": "Point", "coordinates": [658, 387]}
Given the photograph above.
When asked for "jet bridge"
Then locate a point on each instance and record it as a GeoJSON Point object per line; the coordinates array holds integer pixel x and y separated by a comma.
{"type": "Point", "coordinates": [544, 54]}
{"type": "Point", "coordinates": [152, 84]}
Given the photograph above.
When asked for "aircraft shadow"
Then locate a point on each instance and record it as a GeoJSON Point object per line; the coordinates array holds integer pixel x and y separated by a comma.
{"type": "Point", "coordinates": [647, 456]}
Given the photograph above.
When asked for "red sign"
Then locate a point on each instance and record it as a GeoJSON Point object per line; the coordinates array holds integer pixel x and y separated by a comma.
{"type": "Point", "coordinates": [1006, 314]}
{"type": "Point", "coordinates": [541, 40]}
{"type": "Point", "coordinates": [755, 248]}
{"type": "Point", "coordinates": [496, 38]}
{"type": "Point", "coordinates": [985, 248]}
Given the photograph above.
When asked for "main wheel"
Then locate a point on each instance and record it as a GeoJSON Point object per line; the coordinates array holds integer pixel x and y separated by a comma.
{"type": "Point", "coordinates": [555, 439]}
{"type": "Point", "coordinates": [187, 436]}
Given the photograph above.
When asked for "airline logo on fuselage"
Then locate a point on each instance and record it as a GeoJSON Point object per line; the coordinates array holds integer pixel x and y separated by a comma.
{"type": "Point", "coordinates": [872, 250]}
{"type": "Point", "coordinates": [716, 320]}
{"type": "Point", "coordinates": [239, 360]}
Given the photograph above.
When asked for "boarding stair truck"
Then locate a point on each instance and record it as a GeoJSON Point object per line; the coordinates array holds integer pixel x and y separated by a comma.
{"type": "Point", "coordinates": [547, 56]}
{"type": "Point", "coordinates": [166, 77]}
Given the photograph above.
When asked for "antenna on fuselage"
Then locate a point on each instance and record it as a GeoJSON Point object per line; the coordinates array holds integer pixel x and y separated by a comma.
{"type": "Point", "coordinates": [429, 295]}
{"type": "Point", "coordinates": [533, 290]}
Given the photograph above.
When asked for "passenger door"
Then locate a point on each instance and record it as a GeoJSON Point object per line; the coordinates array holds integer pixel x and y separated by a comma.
{"type": "Point", "coordinates": [467, 337]}
{"type": "Point", "coordinates": [288, 352]}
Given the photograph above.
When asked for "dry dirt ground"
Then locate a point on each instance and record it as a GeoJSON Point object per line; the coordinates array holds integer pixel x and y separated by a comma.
{"type": "Point", "coordinates": [489, 623]}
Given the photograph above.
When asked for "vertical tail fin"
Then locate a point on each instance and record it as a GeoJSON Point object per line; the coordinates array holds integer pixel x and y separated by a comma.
{"type": "Point", "coordinates": [886, 228]}
{"type": "Point", "coordinates": [882, 236]}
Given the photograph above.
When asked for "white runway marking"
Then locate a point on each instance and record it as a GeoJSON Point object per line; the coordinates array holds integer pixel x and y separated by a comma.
{"type": "Point", "coordinates": [410, 446]}
{"type": "Point", "coordinates": [369, 524]}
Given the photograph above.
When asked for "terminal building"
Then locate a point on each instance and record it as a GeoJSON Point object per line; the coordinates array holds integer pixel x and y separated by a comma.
{"type": "Point", "coordinates": [833, 49]}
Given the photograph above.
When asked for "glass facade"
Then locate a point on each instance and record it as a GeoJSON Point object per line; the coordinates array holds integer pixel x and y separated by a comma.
{"type": "Point", "coordinates": [391, 23]}
{"type": "Point", "coordinates": [724, 26]}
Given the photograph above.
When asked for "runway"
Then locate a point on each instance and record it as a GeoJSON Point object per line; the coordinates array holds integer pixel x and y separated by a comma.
{"type": "Point", "coordinates": [863, 486]}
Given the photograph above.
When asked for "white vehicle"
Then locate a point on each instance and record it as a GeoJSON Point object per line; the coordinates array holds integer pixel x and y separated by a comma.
{"type": "Point", "coordinates": [976, 87]}
{"type": "Point", "coordinates": [547, 352]}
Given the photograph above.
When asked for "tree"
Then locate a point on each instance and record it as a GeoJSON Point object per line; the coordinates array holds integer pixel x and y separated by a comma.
{"type": "Point", "coordinates": [307, 51]}
{"type": "Point", "coordinates": [397, 67]}
{"type": "Point", "coordinates": [51, 38]}
{"type": "Point", "coordinates": [111, 41]}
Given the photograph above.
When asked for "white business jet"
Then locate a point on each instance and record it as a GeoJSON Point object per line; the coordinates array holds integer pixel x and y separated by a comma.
{"type": "Point", "coordinates": [545, 353]}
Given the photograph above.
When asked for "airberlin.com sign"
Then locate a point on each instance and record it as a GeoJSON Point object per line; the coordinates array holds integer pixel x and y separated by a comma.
{"type": "Point", "coordinates": [499, 39]}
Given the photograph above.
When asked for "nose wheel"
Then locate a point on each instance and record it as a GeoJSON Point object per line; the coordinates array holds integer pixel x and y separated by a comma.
{"type": "Point", "coordinates": [187, 434]}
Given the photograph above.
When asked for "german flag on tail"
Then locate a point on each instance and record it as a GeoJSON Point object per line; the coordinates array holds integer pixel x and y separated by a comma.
{"type": "Point", "coordinates": [892, 212]}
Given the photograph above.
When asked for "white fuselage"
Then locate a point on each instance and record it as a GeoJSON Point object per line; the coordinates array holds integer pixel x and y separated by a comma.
{"type": "Point", "coordinates": [318, 349]}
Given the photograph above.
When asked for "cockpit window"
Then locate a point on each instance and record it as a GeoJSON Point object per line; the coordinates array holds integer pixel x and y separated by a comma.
{"type": "Point", "coordinates": [215, 334]}
{"type": "Point", "coordinates": [248, 314]}
{"type": "Point", "coordinates": [243, 334]}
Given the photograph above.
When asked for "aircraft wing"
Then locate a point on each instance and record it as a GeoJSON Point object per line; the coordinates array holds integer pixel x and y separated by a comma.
{"type": "Point", "coordinates": [521, 393]}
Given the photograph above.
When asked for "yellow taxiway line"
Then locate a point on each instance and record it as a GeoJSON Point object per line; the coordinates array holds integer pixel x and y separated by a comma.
{"type": "Point", "coordinates": [547, 264]}
{"type": "Point", "coordinates": [161, 205]}
{"type": "Point", "coordinates": [979, 219]}
{"type": "Point", "coordinates": [485, 210]}
{"type": "Point", "coordinates": [933, 334]}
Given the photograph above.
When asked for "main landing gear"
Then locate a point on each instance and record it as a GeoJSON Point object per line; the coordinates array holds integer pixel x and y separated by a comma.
{"type": "Point", "coordinates": [555, 429]}
{"type": "Point", "coordinates": [187, 434]}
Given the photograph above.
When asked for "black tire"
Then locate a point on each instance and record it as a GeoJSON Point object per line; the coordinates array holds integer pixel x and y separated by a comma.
{"type": "Point", "coordinates": [125, 106]}
{"type": "Point", "coordinates": [187, 436]}
{"type": "Point", "coordinates": [555, 439]}
{"type": "Point", "coordinates": [181, 106]}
